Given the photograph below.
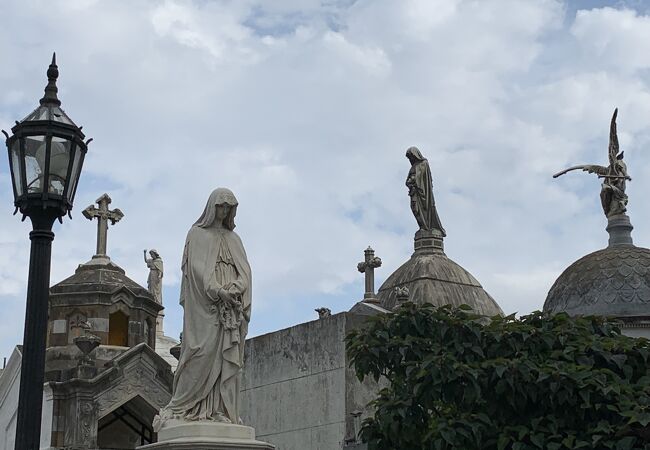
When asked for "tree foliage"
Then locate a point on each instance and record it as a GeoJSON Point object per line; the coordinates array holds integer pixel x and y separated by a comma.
{"type": "Point", "coordinates": [455, 380]}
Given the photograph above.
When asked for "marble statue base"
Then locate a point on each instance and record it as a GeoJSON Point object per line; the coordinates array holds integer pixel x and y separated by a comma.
{"type": "Point", "coordinates": [619, 229]}
{"type": "Point", "coordinates": [205, 435]}
{"type": "Point", "coordinates": [428, 242]}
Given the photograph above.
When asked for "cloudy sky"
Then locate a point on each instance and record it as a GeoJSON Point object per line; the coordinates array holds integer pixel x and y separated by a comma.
{"type": "Point", "coordinates": [305, 109]}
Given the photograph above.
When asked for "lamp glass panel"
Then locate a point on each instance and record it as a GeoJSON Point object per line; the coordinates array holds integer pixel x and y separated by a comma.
{"type": "Point", "coordinates": [74, 174]}
{"type": "Point", "coordinates": [59, 116]}
{"type": "Point", "coordinates": [43, 114]}
{"type": "Point", "coordinates": [59, 161]}
{"type": "Point", "coordinates": [35, 147]}
{"type": "Point", "coordinates": [15, 167]}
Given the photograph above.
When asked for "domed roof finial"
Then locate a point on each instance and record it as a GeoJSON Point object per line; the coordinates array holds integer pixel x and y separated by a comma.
{"type": "Point", "coordinates": [51, 89]}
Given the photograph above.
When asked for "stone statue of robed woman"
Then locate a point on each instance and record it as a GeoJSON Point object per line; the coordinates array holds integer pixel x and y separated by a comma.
{"type": "Point", "coordinates": [216, 297]}
{"type": "Point", "coordinates": [420, 185]}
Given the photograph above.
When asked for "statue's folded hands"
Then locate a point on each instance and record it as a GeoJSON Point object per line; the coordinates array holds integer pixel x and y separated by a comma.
{"type": "Point", "coordinates": [213, 291]}
{"type": "Point", "coordinates": [227, 297]}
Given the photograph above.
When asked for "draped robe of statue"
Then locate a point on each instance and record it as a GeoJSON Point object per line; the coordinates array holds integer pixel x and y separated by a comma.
{"type": "Point", "coordinates": [420, 184]}
{"type": "Point", "coordinates": [207, 379]}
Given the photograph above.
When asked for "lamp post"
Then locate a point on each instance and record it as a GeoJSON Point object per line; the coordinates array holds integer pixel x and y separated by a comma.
{"type": "Point", "coordinates": [46, 152]}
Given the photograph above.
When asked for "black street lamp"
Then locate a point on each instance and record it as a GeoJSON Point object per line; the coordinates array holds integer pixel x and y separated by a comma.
{"type": "Point", "coordinates": [46, 152]}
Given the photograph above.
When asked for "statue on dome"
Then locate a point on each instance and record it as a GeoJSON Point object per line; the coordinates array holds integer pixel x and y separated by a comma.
{"type": "Point", "coordinates": [612, 195]}
{"type": "Point", "coordinates": [420, 186]}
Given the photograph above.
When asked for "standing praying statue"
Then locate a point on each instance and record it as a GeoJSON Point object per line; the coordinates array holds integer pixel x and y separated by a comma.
{"type": "Point", "coordinates": [216, 297]}
{"type": "Point", "coordinates": [612, 194]}
{"type": "Point", "coordinates": [154, 281]}
{"type": "Point", "coordinates": [420, 185]}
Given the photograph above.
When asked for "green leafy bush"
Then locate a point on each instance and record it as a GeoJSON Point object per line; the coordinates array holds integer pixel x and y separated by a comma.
{"type": "Point", "coordinates": [456, 380]}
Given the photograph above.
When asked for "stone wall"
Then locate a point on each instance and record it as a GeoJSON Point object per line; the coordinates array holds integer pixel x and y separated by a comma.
{"type": "Point", "coordinates": [637, 331]}
{"type": "Point", "coordinates": [297, 389]}
{"type": "Point", "coordinates": [294, 385]}
{"type": "Point", "coordinates": [9, 385]}
{"type": "Point", "coordinates": [9, 389]}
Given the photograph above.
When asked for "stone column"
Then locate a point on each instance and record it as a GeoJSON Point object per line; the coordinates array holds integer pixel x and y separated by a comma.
{"type": "Point", "coordinates": [81, 421]}
{"type": "Point", "coordinates": [159, 323]}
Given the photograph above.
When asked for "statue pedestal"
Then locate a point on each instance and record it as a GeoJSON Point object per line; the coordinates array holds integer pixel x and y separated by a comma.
{"type": "Point", "coordinates": [206, 435]}
{"type": "Point", "coordinates": [620, 230]}
{"type": "Point", "coordinates": [428, 242]}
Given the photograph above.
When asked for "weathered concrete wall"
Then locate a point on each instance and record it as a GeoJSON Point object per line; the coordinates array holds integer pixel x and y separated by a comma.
{"type": "Point", "coordinates": [294, 385]}
{"type": "Point", "coordinates": [9, 386]}
{"type": "Point", "coordinates": [9, 389]}
{"type": "Point", "coordinates": [357, 394]}
{"type": "Point", "coordinates": [298, 391]}
{"type": "Point", "coordinates": [636, 332]}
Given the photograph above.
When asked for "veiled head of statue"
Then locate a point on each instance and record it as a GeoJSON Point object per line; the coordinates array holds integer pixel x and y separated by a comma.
{"type": "Point", "coordinates": [222, 205]}
{"type": "Point", "coordinates": [414, 155]}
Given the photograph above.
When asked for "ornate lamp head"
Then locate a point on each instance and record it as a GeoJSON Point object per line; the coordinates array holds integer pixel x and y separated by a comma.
{"type": "Point", "coordinates": [46, 153]}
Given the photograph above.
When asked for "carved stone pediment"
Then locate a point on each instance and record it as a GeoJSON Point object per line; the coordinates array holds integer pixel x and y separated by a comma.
{"type": "Point", "coordinates": [144, 374]}
{"type": "Point", "coordinates": [138, 372]}
{"type": "Point", "coordinates": [123, 295]}
{"type": "Point", "coordinates": [138, 381]}
{"type": "Point", "coordinates": [127, 297]}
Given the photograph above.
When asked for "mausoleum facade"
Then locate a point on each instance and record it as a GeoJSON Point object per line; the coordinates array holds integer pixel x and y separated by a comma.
{"type": "Point", "coordinates": [105, 381]}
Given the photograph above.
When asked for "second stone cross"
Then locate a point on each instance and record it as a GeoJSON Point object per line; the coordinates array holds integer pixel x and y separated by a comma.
{"type": "Point", "coordinates": [368, 267]}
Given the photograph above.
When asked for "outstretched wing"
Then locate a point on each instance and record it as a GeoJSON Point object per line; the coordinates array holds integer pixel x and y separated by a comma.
{"type": "Point", "coordinates": [591, 168]}
{"type": "Point", "coordinates": [613, 140]}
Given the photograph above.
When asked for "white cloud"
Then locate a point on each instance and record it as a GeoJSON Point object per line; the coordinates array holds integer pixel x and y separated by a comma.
{"type": "Point", "coordinates": [213, 27]}
{"type": "Point", "coordinates": [374, 60]}
{"type": "Point", "coordinates": [305, 110]}
{"type": "Point", "coordinates": [615, 39]}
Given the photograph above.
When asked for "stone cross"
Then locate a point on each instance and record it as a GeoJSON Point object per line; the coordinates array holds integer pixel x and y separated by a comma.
{"type": "Point", "coordinates": [103, 215]}
{"type": "Point", "coordinates": [368, 267]}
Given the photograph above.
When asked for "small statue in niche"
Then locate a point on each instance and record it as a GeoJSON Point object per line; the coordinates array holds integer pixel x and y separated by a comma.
{"type": "Point", "coordinates": [612, 194]}
{"type": "Point", "coordinates": [154, 281]}
{"type": "Point", "coordinates": [420, 186]}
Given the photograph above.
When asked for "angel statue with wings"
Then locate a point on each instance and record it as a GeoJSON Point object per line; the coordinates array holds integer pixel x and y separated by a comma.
{"type": "Point", "coordinates": [612, 194]}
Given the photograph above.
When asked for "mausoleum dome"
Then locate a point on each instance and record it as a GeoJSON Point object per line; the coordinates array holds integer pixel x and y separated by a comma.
{"type": "Point", "coordinates": [431, 277]}
{"type": "Point", "coordinates": [614, 281]}
{"type": "Point", "coordinates": [98, 303]}
{"type": "Point", "coordinates": [100, 275]}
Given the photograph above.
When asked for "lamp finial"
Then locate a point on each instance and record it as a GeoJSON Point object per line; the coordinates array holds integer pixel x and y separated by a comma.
{"type": "Point", "coordinates": [51, 89]}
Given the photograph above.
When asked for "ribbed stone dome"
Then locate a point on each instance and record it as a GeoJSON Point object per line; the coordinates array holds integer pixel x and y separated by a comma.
{"type": "Point", "coordinates": [432, 277]}
{"type": "Point", "coordinates": [98, 277]}
{"type": "Point", "coordinates": [614, 281]}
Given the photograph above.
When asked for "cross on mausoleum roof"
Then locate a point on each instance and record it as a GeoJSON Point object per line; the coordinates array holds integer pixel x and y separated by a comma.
{"type": "Point", "coordinates": [103, 215]}
{"type": "Point", "coordinates": [368, 267]}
